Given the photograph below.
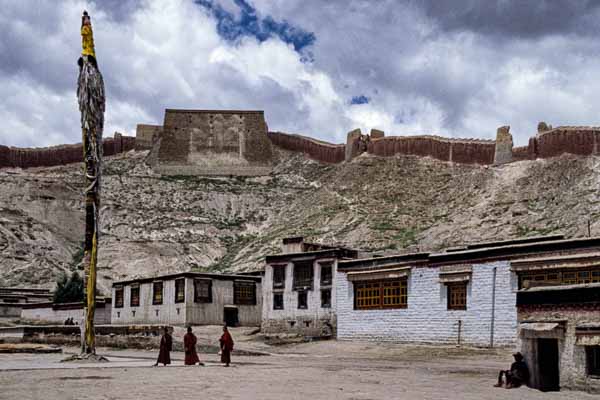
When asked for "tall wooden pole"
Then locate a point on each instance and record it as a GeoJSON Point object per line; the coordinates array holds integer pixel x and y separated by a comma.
{"type": "Point", "coordinates": [90, 95]}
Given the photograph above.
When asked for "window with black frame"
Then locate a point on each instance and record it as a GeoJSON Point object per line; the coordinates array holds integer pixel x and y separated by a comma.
{"type": "Point", "coordinates": [277, 301]}
{"type": "Point", "coordinates": [279, 276]}
{"type": "Point", "coordinates": [303, 275]}
{"type": "Point", "coordinates": [179, 290]}
{"type": "Point", "coordinates": [134, 300]}
{"type": "Point", "coordinates": [302, 300]}
{"type": "Point", "coordinates": [157, 293]}
{"type": "Point", "coordinates": [202, 291]}
{"type": "Point", "coordinates": [326, 274]}
{"type": "Point", "coordinates": [119, 295]}
{"type": "Point", "coordinates": [593, 360]}
{"type": "Point", "coordinates": [326, 298]}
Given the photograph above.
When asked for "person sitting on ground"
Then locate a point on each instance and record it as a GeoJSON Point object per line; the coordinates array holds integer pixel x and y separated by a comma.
{"type": "Point", "coordinates": [166, 346]}
{"type": "Point", "coordinates": [518, 374]}
{"type": "Point", "coordinates": [189, 345]}
{"type": "Point", "coordinates": [226, 342]}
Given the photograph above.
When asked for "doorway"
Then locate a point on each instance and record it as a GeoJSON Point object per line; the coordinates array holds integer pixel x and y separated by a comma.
{"type": "Point", "coordinates": [547, 352]}
{"type": "Point", "coordinates": [230, 316]}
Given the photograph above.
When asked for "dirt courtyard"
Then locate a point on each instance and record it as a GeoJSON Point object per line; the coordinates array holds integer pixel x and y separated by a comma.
{"type": "Point", "coordinates": [309, 371]}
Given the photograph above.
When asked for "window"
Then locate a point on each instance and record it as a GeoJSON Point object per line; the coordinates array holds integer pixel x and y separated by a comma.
{"type": "Point", "coordinates": [202, 291]}
{"type": "Point", "coordinates": [326, 274]}
{"type": "Point", "coordinates": [179, 290]}
{"type": "Point", "coordinates": [278, 276]}
{"type": "Point", "coordinates": [380, 294]}
{"type": "Point", "coordinates": [119, 297]}
{"type": "Point", "coordinates": [302, 300]}
{"type": "Point", "coordinates": [134, 301]}
{"type": "Point", "coordinates": [244, 293]}
{"type": "Point", "coordinates": [277, 301]}
{"type": "Point", "coordinates": [569, 277]}
{"type": "Point", "coordinates": [457, 296]}
{"type": "Point", "coordinates": [326, 298]}
{"type": "Point", "coordinates": [593, 360]}
{"type": "Point", "coordinates": [303, 275]}
{"type": "Point", "coordinates": [157, 293]}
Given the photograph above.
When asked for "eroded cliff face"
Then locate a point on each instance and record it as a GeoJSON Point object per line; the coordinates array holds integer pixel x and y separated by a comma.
{"type": "Point", "coordinates": [155, 225]}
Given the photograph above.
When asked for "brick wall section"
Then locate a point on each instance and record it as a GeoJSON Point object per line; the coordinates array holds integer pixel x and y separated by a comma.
{"type": "Point", "coordinates": [457, 150]}
{"type": "Point", "coordinates": [520, 153]}
{"type": "Point", "coordinates": [315, 149]}
{"type": "Point", "coordinates": [566, 139]}
{"type": "Point", "coordinates": [427, 319]}
{"type": "Point", "coordinates": [14, 157]}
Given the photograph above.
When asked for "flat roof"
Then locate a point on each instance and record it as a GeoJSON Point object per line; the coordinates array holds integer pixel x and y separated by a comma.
{"type": "Point", "coordinates": [223, 277]}
{"type": "Point", "coordinates": [336, 252]}
{"type": "Point", "coordinates": [508, 250]}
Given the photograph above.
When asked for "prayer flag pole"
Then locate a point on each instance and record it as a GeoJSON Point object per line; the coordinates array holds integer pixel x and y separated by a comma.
{"type": "Point", "coordinates": [91, 99]}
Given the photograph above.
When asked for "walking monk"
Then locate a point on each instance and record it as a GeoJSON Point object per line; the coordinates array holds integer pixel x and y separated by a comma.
{"type": "Point", "coordinates": [226, 346]}
{"type": "Point", "coordinates": [166, 345]}
{"type": "Point", "coordinates": [189, 345]}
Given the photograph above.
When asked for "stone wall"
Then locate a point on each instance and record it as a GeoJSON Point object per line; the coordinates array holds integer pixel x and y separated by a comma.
{"type": "Point", "coordinates": [465, 151]}
{"type": "Point", "coordinates": [145, 135]}
{"type": "Point", "coordinates": [315, 149]}
{"type": "Point", "coordinates": [215, 143]}
{"type": "Point", "coordinates": [427, 319]}
{"type": "Point", "coordinates": [567, 139]}
{"type": "Point", "coordinates": [14, 157]}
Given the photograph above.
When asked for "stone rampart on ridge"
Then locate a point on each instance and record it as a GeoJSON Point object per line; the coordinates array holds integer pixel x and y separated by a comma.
{"type": "Point", "coordinates": [15, 157]}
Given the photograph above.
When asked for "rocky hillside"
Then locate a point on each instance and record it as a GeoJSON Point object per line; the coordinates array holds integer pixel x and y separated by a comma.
{"type": "Point", "coordinates": [156, 225]}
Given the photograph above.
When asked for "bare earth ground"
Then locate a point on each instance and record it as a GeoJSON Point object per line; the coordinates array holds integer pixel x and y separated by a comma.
{"type": "Point", "coordinates": [309, 371]}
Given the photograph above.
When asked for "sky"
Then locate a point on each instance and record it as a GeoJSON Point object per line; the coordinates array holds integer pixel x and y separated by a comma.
{"type": "Point", "coordinates": [458, 68]}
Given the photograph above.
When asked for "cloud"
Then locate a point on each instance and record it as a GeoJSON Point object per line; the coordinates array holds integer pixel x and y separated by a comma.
{"type": "Point", "coordinates": [425, 67]}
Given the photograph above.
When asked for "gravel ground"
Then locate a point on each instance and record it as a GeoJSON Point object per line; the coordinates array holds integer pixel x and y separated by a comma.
{"type": "Point", "coordinates": [311, 371]}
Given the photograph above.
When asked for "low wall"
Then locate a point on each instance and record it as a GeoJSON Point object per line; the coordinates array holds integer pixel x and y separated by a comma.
{"type": "Point", "coordinates": [58, 313]}
{"type": "Point", "coordinates": [457, 150]}
{"type": "Point", "coordinates": [315, 149]}
{"type": "Point", "coordinates": [15, 157]}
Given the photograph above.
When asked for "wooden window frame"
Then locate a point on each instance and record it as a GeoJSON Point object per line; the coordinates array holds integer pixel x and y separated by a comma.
{"type": "Point", "coordinates": [453, 289]}
{"type": "Point", "coordinates": [179, 299]}
{"type": "Point", "coordinates": [303, 305]}
{"type": "Point", "coordinates": [379, 294]}
{"type": "Point", "coordinates": [119, 304]}
{"type": "Point", "coordinates": [281, 269]}
{"type": "Point", "coordinates": [323, 304]}
{"type": "Point", "coordinates": [573, 276]}
{"type": "Point", "coordinates": [244, 293]}
{"type": "Point", "coordinates": [155, 300]}
{"type": "Point", "coordinates": [137, 288]}
{"type": "Point", "coordinates": [327, 266]}
{"type": "Point", "coordinates": [592, 361]}
{"type": "Point", "coordinates": [208, 297]}
{"type": "Point", "coordinates": [275, 306]}
{"type": "Point", "coordinates": [304, 281]}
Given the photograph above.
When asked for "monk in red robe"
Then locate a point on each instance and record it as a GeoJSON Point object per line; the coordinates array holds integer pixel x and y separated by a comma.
{"type": "Point", "coordinates": [166, 346]}
{"type": "Point", "coordinates": [189, 345]}
{"type": "Point", "coordinates": [226, 346]}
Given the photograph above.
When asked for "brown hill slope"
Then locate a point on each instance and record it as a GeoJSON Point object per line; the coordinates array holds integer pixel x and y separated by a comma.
{"type": "Point", "coordinates": [154, 225]}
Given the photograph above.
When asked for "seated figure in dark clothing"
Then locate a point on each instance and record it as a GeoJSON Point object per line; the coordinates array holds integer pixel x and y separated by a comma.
{"type": "Point", "coordinates": [518, 374]}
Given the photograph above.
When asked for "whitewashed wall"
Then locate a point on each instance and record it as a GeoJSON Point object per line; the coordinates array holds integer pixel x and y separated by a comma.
{"type": "Point", "coordinates": [310, 321]}
{"type": "Point", "coordinates": [188, 312]}
{"type": "Point", "coordinates": [49, 315]}
{"type": "Point", "coordinates": [427, 319]}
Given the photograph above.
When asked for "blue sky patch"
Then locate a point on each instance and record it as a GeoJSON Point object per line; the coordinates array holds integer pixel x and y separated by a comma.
{"type": "Point", "coordinates": [249, 24]}
{"type": "Point", "coordinates": [362, 99]}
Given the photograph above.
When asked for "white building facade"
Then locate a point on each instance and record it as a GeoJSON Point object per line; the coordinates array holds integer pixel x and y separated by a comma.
{"type": "Point", "coordinates": [299, 294]}
{"type": "Point", "coordinates": [188, 299]}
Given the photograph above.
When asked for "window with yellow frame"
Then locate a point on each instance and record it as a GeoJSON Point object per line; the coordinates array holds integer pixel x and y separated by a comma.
{"type": "Point", "coordinates": [565, 277]}
{"type": "Point", "coordinates": [392, 293]}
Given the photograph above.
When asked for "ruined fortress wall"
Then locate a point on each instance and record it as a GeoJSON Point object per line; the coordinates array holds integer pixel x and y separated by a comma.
{"type": "Point", "coordinates": [59, 155]}
{"type": "Point", "coordinates": [315, 149]}
{"type": "Point", "coordinates": [456, 150]}
{"type": "Point", "coordinates": [520, 153]}
{"type": "Point", "coordinates": [145, 135]}
{"type": "Point", "coordinates": [205, 142]}
{"type": "Point", "coordinates": [566, 139]}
